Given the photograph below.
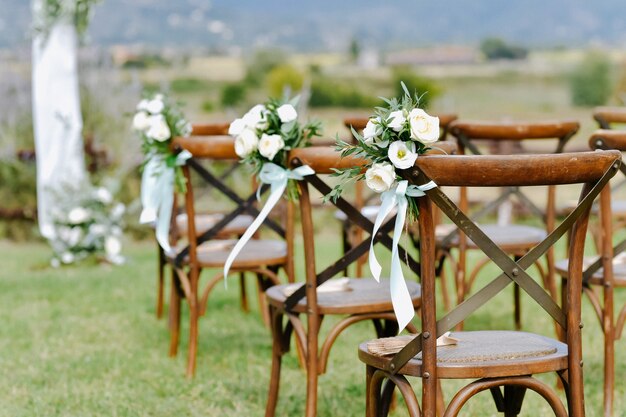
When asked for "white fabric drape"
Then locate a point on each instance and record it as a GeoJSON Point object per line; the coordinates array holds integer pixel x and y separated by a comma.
{"type": "Point", "coordinates": [56, 118]}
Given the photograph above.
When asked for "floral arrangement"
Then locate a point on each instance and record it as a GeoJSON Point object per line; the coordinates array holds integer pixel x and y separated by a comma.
{"type": "Point", "coordinates": [267, 132]}
{"type": "Point", "coordinates": [47, 13]}
{"type": "Point", "coordinates": [392, 140]}
{"type": "Point", "coordinates": [158, 120]}
{"type": "Point", "coordinates": [88, 223]}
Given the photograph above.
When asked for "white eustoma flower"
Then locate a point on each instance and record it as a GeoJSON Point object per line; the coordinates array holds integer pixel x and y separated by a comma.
{"type": "Point", "coordinates": [255, 118]}
{"type": "Point", "coordinates": [143, 105]}
{"type": "Point", "coordinates": [236, 127]}
{"type": "Point", "coordinates": [287, 113]}
{"type": "Point", "coordinates": [155, 106]}
{"type": "Point", "coordinates": [141, 121]}
{"type": "Point", "coordinates": [246, 143]}
{"type": "Point", "coordinates": [269, 145]}
{"type": "Point", "coordinates": [112, 246]}
{"type": "Point", "coordinates": [104, 195]}
{"type": "Point", "coordinates": [78, 215]}
{"type": "Point", "coordinates": [380, 177]}
{"type": "Point", "coordinates": [396, 120]}
{"type": "Point", "coordinates": [159, 130]}
{"type": "Point", "coordinates": [402, 154]}
{"type": "Point", "coordinates": [372, 130]}
{"type": "Point", "coordinates": [424, 128]}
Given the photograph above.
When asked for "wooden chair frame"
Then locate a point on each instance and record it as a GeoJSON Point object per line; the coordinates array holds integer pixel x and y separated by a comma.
{"type": "Point", "coordinates": [594, 170]}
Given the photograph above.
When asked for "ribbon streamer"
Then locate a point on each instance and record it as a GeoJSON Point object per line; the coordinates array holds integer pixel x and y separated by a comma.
{"type": "Point", "coordinates": [157, 195]}
{"type": "Point", "coordinates": [277, 177]}
{"type": "Point", "coordinates": [400, 296]}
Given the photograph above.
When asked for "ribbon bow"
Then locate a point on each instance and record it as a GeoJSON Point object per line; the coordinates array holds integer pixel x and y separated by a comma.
{"type": "Point", "coordinates": [157, 195]}
{"type": "Point", "coordinates": [277, 177]}
{"type": "Point", "coordinates": [400, 297]}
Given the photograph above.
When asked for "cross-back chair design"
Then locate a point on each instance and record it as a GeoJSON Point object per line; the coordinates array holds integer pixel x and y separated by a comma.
{"type": "Point", "coordinates": [203, 221]}
{"type": "Point", "coordinates": [603, 274]}
{"type": "Point", "coordinates": [263, 257]}
{"type": "Point", "coordinates": [362, 200]}
{"type": "Point", "coordinates": [364, 299]}
{"type": "Point", "coordinates": [610, 117]}
{"type": "Point", "coordinates": [517, 239]}
{"type": "Point", "coordinates": [493, 358]}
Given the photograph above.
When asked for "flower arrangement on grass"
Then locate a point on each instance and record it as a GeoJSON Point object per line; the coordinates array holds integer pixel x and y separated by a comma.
{"type": "Point", "coordinates": [392, 140]}
{"type": "Point", "coordinates": [263, 138]}
{"type": "Point", "coordinates": [88, 223]}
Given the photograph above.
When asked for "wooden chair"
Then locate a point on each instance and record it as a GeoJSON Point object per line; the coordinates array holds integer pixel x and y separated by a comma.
{"type": "Point", "coordinates": [203, 221]}
{"type": "Point", "coordinates": [365, 299]}
{"type": "Point", "coordinates": [609, 117]}
{"type": "Point", "coordinates": [368, 203]}
{"type": "Point", "coordinates": [604, 273]}
{"type": "Point", "coordinates": [492, 358]}
{"type": "Point", "coordinates": [516, 239]}
{"type": "Point", "coordinates": [262, 257]}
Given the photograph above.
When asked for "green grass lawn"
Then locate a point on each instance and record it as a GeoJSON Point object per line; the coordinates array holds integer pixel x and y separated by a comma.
{"type": "Point", "coordinates": [84, 341]}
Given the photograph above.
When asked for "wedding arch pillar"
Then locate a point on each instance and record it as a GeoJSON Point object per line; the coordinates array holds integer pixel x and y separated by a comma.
{"type": "Point", "coordinates": [57, 119]}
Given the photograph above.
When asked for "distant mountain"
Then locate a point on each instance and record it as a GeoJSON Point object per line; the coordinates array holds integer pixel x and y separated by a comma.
{"type": "Point", "coordinates": [331, 24]}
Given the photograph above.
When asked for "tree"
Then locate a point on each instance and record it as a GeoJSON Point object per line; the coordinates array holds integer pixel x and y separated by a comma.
{"type": "Point", "coordinates": [496, 48]}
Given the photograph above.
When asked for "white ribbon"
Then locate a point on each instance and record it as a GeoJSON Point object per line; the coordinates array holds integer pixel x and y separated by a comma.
{"type": "Point", "coordinates": [157, 195]}
{"type": "Point", "coordinates": [277, 178]}
{"type": "Point", "coordinates": [400, 296]}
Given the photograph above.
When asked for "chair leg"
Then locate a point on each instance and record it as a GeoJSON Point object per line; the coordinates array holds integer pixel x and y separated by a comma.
{"type": "Point", "coordinates": [262, 285]}
{"type": "Point", "coordinates": [609, 353]}
{"type": "Point", "coordinates": [277, 355]}
{"type": "Point", "coordinates": [518, 307]}
{"type": "Point", "coordinates": [242, 289]}
{"type": "Point", "coordinates": [193, 339]}
{"type": "Point", "coordinates": [174, 315]}
{"type": "Point", "coordinates": [160, 282]}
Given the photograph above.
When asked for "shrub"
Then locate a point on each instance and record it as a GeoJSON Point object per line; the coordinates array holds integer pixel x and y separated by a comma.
{"type": "Point", "coordinates": [284, 77]}
{"type": "Point", "coordinates": [496, 48]}
{"type": "Point", "coordinates": [590, 82]}
{"type": "Point", "coordinates": [188, 85]}
{"type": "Point", "coordinates": [232, 94]}
{"type": "Point", "coordinates": [426, 88]}
{"type": "Point", "coordinates": [261, 64]}
{"type": "Point", "coordinates": [329, 93]}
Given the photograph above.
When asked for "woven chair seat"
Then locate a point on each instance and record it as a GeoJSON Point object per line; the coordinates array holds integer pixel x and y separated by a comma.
{"type": "Point", "coordinates": [257, 252]}
{"type": "Point", "coordinates": [619, 270]}
{"type": "Point", "coordinates": [361, 295]}
{"type": "Point", "coordinates": [480, 354]}
{"type": "Point", "coordinates": [618, 208]}
{"type": "Point", "coordinates": [513, 236]}
{"type": "Point", "coordinates": [205, 221]}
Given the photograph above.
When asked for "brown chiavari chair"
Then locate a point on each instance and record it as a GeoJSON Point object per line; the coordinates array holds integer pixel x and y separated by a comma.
{"type": "Point", "coordinates": [203, 221]}
{"type": "Point", "coordinates": [604, 273]}
{"type": "Point", "coordinates": [516, 239]}
{"type": "Point", "coordinates": [365, 299]}
{"type": "Point", "coordinates": [493, 359]}
{"type": "Point", "coordinates": [263, 257]}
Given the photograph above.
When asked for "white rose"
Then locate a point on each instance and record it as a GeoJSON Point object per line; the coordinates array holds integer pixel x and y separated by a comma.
{"type": "Point", "coordinates": [112, 246]}
{"type": "Point", "coordinates": [424, 128]}
{"type": "Point", "coordinates": [286, 113]}
{"type": "Point", "coordinates": [159, 130]}
{"type": "Point", "coordinates": [380, 177]}
{"type": "Point", "coordinates": [67, 258]}
{"type": "Point", "coordinates": [396, 120]}
{"type": "Point", "coordinates": [155, 106]}
{"type": "Point", "coordinates": [236, 127]}
{"type": "Point", "coordinates": [103, 195]}
{"type": "Point", "coordinates": [372, 130]}
{"type": "Point", "coordinates": [401, 155]}
{"type": "Point", "coordinates": [246, 143]}
{"type": "Point", "coordinates": [269, 145]}
{"type": "Point", "coordinates": [255, 118]}
{"type": "Point", "coordinates": [141, 121]}
{"type": "Point", "coordinates": [143, 105]}
{"type": "Point", "coordinates": [78, 215]}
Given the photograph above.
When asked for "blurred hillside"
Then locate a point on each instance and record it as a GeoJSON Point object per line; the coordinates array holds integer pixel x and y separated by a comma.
{"type": "Point", "coordinates": [331, 25]}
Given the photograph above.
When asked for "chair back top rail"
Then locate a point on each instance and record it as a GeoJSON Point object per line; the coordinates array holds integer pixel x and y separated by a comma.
{"type": "Point", "coordinates": [513, 131]}
{"type": "Point", "coordinates": [608, 139]}
{"type": "Point", "coordinates": [359, 123]}
{"type": "Point", "coordinates": [210, 129]}
{"type": "Point", "coordinates": [208, 147]}
{"type": "Point", "coordinates": [323, 159]}
{"type": "Point", "coordinates": [607, 115]}
{"type": "Point", "coordinates": [503, 170]}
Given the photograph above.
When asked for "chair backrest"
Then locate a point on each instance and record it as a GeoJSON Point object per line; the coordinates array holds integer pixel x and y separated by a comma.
{"type": "Point", "coordinates": [590, 169]}
{"type": "Point", "coordinates": [323, 160]}
{"type": "Point", "coordinates": [203, 145]}
{"type": "Point", "coordinates": [607, 117]}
